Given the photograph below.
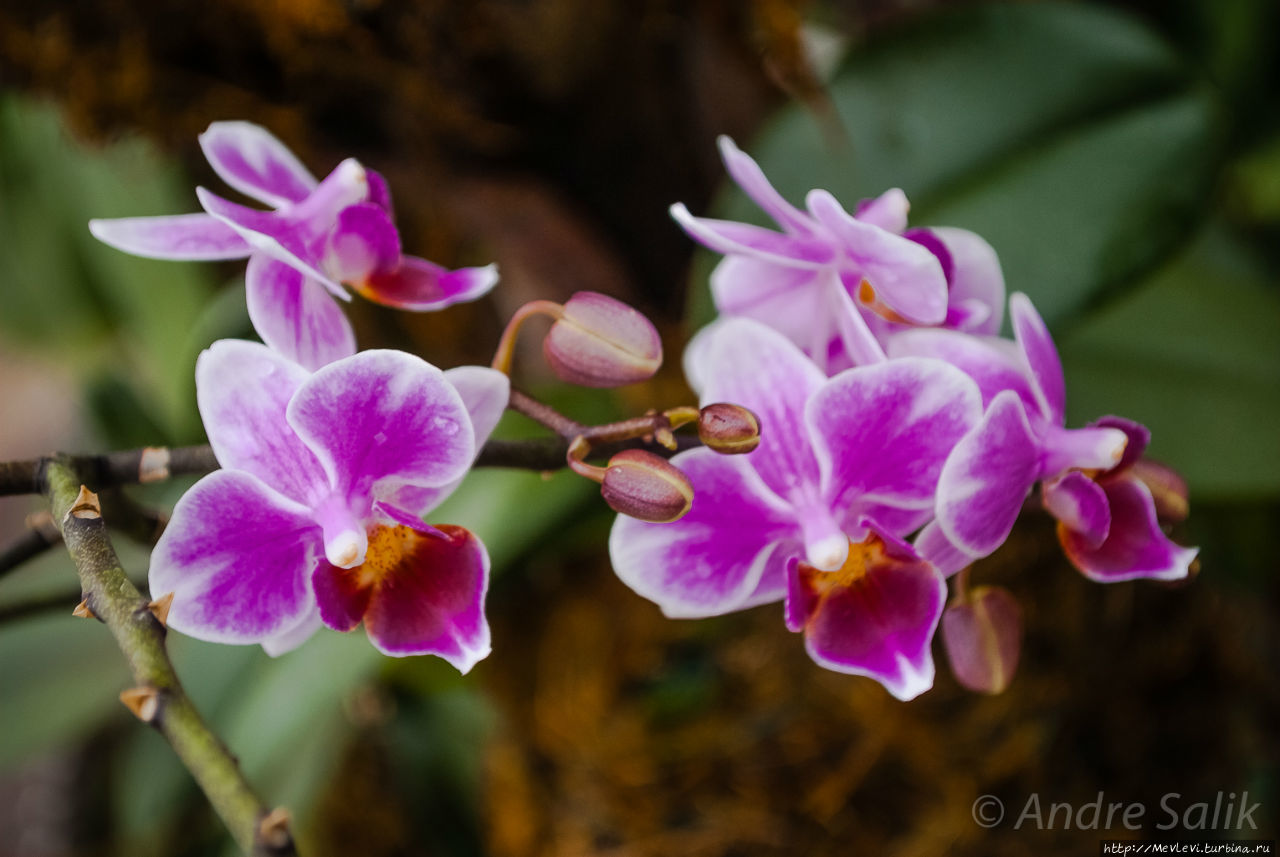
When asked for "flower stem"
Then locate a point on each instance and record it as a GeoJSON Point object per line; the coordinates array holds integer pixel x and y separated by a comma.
{"type": "Point", "coordinates": [113, 599]}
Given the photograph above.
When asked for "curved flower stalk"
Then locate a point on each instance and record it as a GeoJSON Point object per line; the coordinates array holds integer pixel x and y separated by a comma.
{"type": "Point", "coordinates": [837, 284]}
{"type": "Point", "coordinates": [815, 515]}
{"type": "Point", "coordinates": [317, 239]}
{"type": "Point", "coordinates": [317, 516]}
{"type": "Point", "coordinates": [1108, 514]}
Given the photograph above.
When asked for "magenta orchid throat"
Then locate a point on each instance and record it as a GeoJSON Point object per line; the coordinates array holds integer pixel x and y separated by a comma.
{"type": "Point", "coordinates": [864, 433]}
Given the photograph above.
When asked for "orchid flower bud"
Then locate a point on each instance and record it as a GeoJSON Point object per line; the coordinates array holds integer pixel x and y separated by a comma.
{"type": "Point", "coordinates": [983, 637]}
{"type": "Point", "coordinates": [601, 342]}
{"type": "Point", "coordinates": [728, 429]}
{"type": "Point", "coordinates": [645, 486]}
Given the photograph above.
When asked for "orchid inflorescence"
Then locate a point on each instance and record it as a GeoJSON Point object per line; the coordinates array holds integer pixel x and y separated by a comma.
{"type": "Point", "coordinates": [864, 434]}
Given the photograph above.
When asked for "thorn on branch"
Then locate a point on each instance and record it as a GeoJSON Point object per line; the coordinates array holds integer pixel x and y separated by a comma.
{"type": "Point", "coordinates": [273, 830]}
{"type": "Point", "coordinates": [144, 702]}
{"type": "Point", "coordinates": [159, 608]}
{"type": "Point", "coordinates": [86, 506]}
{"type": "Point", "coordinates": [82, 610]}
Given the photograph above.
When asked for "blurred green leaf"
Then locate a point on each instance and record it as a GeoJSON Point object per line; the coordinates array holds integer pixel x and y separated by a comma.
{"type": "Point", "coordinates": [1194, 353]}
{"type": "Point", "coordinates": [69, 294]}
{"type": "Point", "coordinates": [1068, 136]}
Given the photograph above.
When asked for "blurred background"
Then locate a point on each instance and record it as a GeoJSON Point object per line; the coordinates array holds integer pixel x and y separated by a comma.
{"type": "Point", "coordinates": [1124, 160]}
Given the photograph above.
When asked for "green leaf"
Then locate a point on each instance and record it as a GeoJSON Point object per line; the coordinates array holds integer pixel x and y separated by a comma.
{"type": "Point", "coordinates": [1194, 353]}
{"type": "Point", "coordinates": [1067, 136]}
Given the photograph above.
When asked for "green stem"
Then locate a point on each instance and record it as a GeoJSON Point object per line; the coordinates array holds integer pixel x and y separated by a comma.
{"type": "Point", "coordinates": [112, 598]}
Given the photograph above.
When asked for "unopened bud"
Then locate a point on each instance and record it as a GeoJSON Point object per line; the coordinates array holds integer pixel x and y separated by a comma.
{"type": "Point", "coordinates": [728, 429]}
{"type": "Point", "coordinates": [602, 342]}
{"type": "Point", "coordinates": [983, 637]}
{"type": "Point", "coordinates": [645, 486]}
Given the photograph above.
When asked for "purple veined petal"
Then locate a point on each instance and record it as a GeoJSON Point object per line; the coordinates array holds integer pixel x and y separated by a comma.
{"type": "Point", "coordinates": [243, 391]}
{"type": "Point", "coordinates": [801, 600]}
{"type": "Point", "coordinates": [1064, 449]}
{"type": "Point", "coordinates": [288, 640]}
{"type": "Point", "coordinates": [180, 237]}
{"type": "Point", "coordinates": [746, 173]}
{"type": "Point", "coordinates": [295, 314]}
{"type": "Point", "coordinates": [1041, 356]}
{"type": "Point", "coordinates": [975, 275]}
{"type": "Point", "coordinates": [748, 364]}
{"type": "Point", "coordinates": [733, 238]}
{"type": "Point", "coordinates": [363, 241]}
{"type": "Point", "coordinates": [1081, 505]}
{"type": "Point", "coordinates": [934, 546]}
{"type": "Point", "coordinates": [880, 624]}
{"type": "Point", "coordinates": [272, 234]}
{"type": "Point", "coordinates": [790, 300]}
{"type": "Point", "coordinates": [379, 191]}
{"type": "Point", "coordinates": [906, 277]}
{"type": "Point", "coordinates": [237, 556]}
{"type": "Point", "coordinates": [1139, 436]}
{"type": "Point", "coordinates": [881, 433]}
{"type": "Point", "coordinates": [484, 393]}
{"type": "Point", "coordinates": [993, 363]}
{"type": "Point", "coordinates": [724, 555]}
{"type": "Point", "coordinates": [1135, 546]}
{"type": "Point", "coordinates": [986, 478]}
{"type": "Point", "coordinates": [380, 420]}
{"type": "Point", "coordinates": [439, 610]}
{"type": "Point", "coordinates": [421, 286]}
{"type": "Point", "coordinates": [888, 211]}
{"type": "Point", "coordinates": [254, 162]}
{"type": "Point", "coordinates": [983, 638]}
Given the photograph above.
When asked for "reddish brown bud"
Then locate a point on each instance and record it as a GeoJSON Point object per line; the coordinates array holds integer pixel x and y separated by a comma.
{"type": "Point", "coordinates": [983, 636]}
{"type": "Point", "coordinates": [643, 485]}
{"type": "Point", "coordinates": [728, 429]}
{"type": "Point", "coordinates": [602, 342]}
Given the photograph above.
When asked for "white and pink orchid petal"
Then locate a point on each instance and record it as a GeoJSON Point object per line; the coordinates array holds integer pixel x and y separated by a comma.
{"type": "Point", "coordinates": [1041, 357]}
{"type": "Point", "coordinates": [288, 640]}
{"type": "Point", "coordinates": [881, 433]}
{"type": "Point", "coordinates": [381, 420]}
{"type": "Point", "coordinates": [747, 174]}
{"type": "Point", "coordinates": [723, 555]}
{"type": "Point", "coordinates": [1081, 505]}
{"type": "Point", "coordinates": [993, 363]}
{"type": "Point", "coordinates": [888, 211]}
{"type": "Point", "coordinates": [180, 237]}
{"type": "Point", "coordinates": [1135, 546]}
{"type": "Point", "coordinates": [237, 556]}
{"type": "Point", "coordinates": [933, 545]}
{"type": "Point", "coordinates": [295, 314]}
{"type": "Point", "coordinates": [751, 365]}
{"type": "Point", "coordinates": [417, 285]}
{"type": "Point", "coordinates": [254, 162]}
{"type": "Point", "coordinates": [986, 478]}
{"type": "Point", "coordinates": [975, 277]}
{"type": "Point", "coordinates": [274, 235]}
{"type": "Point", "coordinates": [243, 391]}
{"type": "Point", "coordinates": [906, 277]}
{"type": "Point", "coordinates": [743, 239]}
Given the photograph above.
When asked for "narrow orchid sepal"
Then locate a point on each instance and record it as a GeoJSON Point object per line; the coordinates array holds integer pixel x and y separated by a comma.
{"type": "Point", "coordinates": [178, 237]}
